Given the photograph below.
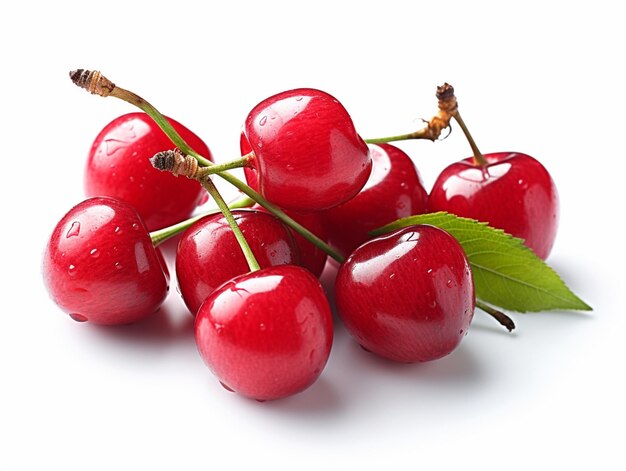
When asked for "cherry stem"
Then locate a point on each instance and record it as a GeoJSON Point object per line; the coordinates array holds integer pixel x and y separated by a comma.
{"type": "Point", "coordinates": [217, 168]}
{"type": "Point", "coordinates": [448, 109]}
{"type": "Point", "coordinates": [161, 235]}
{"type": "Point", "coordinates": [501, 317]}
{"type": "Point", "coordinates": [208, 184]}
{"type": "Point", "coordinates": [97, 84]}
{"type": "Point", "coordinates": [479, 159]}
{"type": "Point", "coordinates": [419, 134]}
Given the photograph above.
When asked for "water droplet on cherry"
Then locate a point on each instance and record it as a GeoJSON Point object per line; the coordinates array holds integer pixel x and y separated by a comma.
{"type": "Point", "coordinates": [262, 121]}
{"type": "Point", "coordinates": [95, 253]}
{"type": "Point", "coordinates": [113, 145]}
{"type": "Point", "coordinates": [449, 284]}
{"type": "Point", "coordinates": [74, 230]}
{"type": "Point", "coordinates": [71, 270]}
{"type": "Point", "coordinates": [78, 317]}
{"type": "Point", "coordinates": [118, 266]}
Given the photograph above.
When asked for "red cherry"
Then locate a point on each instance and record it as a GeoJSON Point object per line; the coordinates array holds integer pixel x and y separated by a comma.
{"type": "Point", "coordinates": [513, 192]}
{"type": "Point", "coordinates": [311, 257]}
{"type": "Point", "coordinates": [208, 253]}
{"type": "Point", "coordinates": [393, 190]}
{"type": "Point", "coordinates": [118, 165]}
{"type": "Point", "coordinates": [308, 155]}
{"type": "Point", "coordinates": [100, 265]}
{"type": "Point", "coordinates": [407, 296]}
{"type": "Point", "coordinates": [266, 334]}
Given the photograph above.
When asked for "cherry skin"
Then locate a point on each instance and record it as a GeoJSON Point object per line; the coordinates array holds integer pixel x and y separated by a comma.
{"type": "Point", "coordinates": [311, 257]}
{"type": "Point", "coordinates": [208, 253]}
{"type": "Point", "coordinates": [307, 154]}
{"type": "Point", "coordinates": [407, 296]}
{"type": "Point", "coordinates": [513, 192]}
{"type": "Point", "coordinates": [100, 265]}
{"type": "Point", "coordinates": [266, 334]}
{"type": "Point", "coordinates": [118, 165]}
{"type": "Point", "coordinates": [394, 190]}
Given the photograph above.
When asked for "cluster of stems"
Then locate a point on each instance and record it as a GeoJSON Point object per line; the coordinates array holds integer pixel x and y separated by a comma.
{"type": "Point", "coordinates": [184, 160]}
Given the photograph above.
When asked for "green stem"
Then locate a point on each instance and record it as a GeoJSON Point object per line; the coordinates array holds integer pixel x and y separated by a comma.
{"type": "Point", "coordinates": [160, 120]}
{"type": "Point", "coordinates": [217, 168]}
{"type": "Point", "coordinates": [208, 184]}
{"type": "Point", "coordinates": [400, 137]}
{"type": "Point", "coordinates": [161, 235]}
{"type": "Point", "coordinates": [280, 214]}
{"type": "Point", "coordinates": [479, 159]}
{"type": "Point", "coordinates": [501, 317]}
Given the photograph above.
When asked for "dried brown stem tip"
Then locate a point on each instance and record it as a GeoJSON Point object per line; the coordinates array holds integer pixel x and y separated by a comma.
{"type": "Point", "coordinates": [448, 106]}
{"type": "Point", "coordinates": [176, 162]}
{"type": "Point", "coordinates": [92, 81]}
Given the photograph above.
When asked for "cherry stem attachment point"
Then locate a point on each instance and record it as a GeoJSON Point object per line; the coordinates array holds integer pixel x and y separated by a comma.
{"type": "Point", "coordinates": [501, 317]}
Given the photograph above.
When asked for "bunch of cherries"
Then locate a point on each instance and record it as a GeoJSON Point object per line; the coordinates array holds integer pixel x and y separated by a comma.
{"type": "Point", "coordinates": [249, 274]}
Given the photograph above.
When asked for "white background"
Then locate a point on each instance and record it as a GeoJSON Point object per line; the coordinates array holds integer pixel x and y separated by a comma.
{"type": "Point", "coordinates": [544, 78]}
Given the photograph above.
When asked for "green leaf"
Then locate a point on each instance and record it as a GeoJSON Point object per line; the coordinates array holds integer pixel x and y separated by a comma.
{"type": "Point", "coordinates": [506, 272]}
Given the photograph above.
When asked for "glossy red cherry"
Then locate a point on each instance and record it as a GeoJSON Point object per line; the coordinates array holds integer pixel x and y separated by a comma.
{"type": "Point", "coordinates": [266, 334]}
{"type": "Point", "coordinates": [308, 155]}
{"type": "Point", "coordinates": [393, 190]}
{"type": "Point", "coordinates": [311, 257]}
{"type": "Point", "coordinates": [208, 253]}
{"type": "Point", "coordinates": [118, 165]}
{"type": "Point", "coordinates": [513, 192]}
{"type": "Point", "coordinates": [407, 296]}
{"type": "Point", "coordinates": [100, 265]}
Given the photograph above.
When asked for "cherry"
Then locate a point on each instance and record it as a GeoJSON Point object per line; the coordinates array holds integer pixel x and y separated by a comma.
{"type": "Point", "coordinates": [208, 253]}
{"type": "Point", "coordinates": [100, 265]}
{"type": "Point", "coordinates": [393, 190]}
{"type": "Point", "coordinates": [307, 154]}
{"type": "Point", "coordinates": [118, 165]}
{"type": "Point", "coordinates": [407, 296]}
{"type": "Point", "coordinates": [311, 257]}
{"type": "Point", "coordinates": [266, 334]}
{"type": "Point", "coordinates": [512, 191]}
